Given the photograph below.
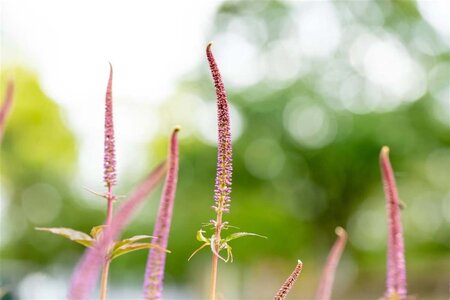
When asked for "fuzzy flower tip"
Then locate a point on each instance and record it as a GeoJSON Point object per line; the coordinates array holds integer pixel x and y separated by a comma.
{"type": "Point", "coordinates": [86, 273]}
{"type": "Point", "coordinates": [109, 175]}
{"type": "Point", "coordinates": [396, 270]}
{"type": "Point", "coordinates": [154, 272]}
{"type": "Point", "coordinates": [328, 274]}
{"type": "Point", "coordinates": [224, 153]}
{"type": "Point", "coordinates": [6, 106]}
{"type": "Point", "coordinates": [287, 285]}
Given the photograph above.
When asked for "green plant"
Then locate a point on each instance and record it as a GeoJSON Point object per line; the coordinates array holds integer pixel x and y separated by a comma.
{"type": "Point", "coordinates": [98, 233]}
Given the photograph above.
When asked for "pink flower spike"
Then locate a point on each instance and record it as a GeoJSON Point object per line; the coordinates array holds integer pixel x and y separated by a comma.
{"type": "Point", "coordinates": [287, 285]}
{"type": "Point", "coordinates": [86, 272]}
{"type": "Point", "coordinates": [6, 106]}
{"type": "Point", "coordinates": [327, 279]}
{"type": "Point", "coordinates": [154, 272]}
{"type": "Point", "coordinates": [110, 156]}
{"type": "Point", "coordinates": [396, 270]}
{"type": "Point", "coordinates": [224, 153]}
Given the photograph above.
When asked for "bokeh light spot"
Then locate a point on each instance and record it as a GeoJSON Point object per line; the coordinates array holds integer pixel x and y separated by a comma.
{"type": "Point", "coordinates": [319, 31]}
{"type": "Point", "coordinates": [264, 158]}
{"type": "Point", "coordinates": [41, 203]}
{"type": "Point", "coordinates": [367, 230]}
{"type": "Point", "coordinates": [310, 125]}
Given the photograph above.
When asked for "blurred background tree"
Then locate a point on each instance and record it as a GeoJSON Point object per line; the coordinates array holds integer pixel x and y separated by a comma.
{"type": "Point", "coordinates": [316, 89]}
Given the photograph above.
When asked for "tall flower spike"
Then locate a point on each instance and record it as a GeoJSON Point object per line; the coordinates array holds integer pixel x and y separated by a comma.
{"type": "Point", "coordinates": [224, 152]}
{"type": "Point", "coordinates": [6, 106]}
{"type": "Point", "coordinates": [154, 272]}
{"type": "Point", "coordinates": [287, 285]}
{"type": "Point", "coordinates": [86, 273]}
{"type": "Point", "coordinates": [327, 279]}
{"type": "Point", "coordinates": [109, 175]}
{"type": "Point", "coordinates": [396, 270]}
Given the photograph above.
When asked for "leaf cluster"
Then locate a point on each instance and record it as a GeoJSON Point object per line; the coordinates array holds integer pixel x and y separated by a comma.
{"type": "Point", "coordinates": [222, 243]}
{"type": "Point", "coordinates": [119, 248]}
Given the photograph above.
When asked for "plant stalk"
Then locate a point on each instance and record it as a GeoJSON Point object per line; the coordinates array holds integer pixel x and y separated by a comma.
{"type": "Point", "coordinates": [105, 271]}
{"type": "Point", "coordinates": [109, 209]}
{"type": "Point", "coordinates": [215, 259]}
{"type": "Point", "coordinates": [104, 280]}
{"type": "Point", "coordinates": [213, 277]}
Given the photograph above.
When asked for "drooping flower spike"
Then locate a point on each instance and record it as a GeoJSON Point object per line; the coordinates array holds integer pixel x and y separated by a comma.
{"type": "Point", "coordinates": [86, 272]}
{"type": "Point", "coordinates": [109, 175]}
{"type": "Point", "coordinates": [224, 152]}
{"type": "Point", "coordinates": [396, 270]}
{"type": "Point", "coordinates": [222, 188]}
{"type": "Point", "coordinates": [6, 106]}
{"type": "Point", "coordinates": [287, 285]}
{"type": "Point", "coordinates": [154, 272]}
{"type": "Point", "coordinates": [224, 170]}
{"type": "Point", "coordinates": [329, 271]}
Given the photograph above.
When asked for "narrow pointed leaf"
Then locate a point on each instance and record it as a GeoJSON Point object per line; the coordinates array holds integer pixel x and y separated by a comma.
{"type": "Point", "coordinates": [197, 250]}
{"type": "Point", "coordinates": [6, 106]}
{"type": "Point", "coordinates": [126, 248]}
{"type": "Point", "coordinates": [396, 270]}
{"type": "Point", "coordinates": [241, 234]}
{"type": "Point", "coordinates": [225, 246]}
{"type": "Point", "coordinates": [287, 285]}
{"type": "Point", "coordinates": [71, 234]}
{"type": "Point", "coordinates": [229, 253]}
{"type": "Point", "coordinates": [131, 240]}
{"type": "Point", "coordinates": [87, 270]}
{"type": "Point", "coordinates": [154, 272]}
{"type": "Point", "coordinates": [328, 274]}
{"type": "Point", "coordinates": [213, 248]}
{"type": "Point", "coordinates": [97, 230]}
{"type": "Point", "coordinates": [201, 237]}
{"type": "Point", "coordinates": [103, 195]}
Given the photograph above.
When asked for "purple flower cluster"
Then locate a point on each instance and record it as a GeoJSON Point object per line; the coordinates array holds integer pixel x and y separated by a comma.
{"type": "Point", "coordinates": [396, 270]}
{"type": "Point", "coordinates": [287, 285]}
{"type": "Point", "coordinates": [329, 271]}
{"type": "Point", "coordinates": [110, 156]}
{"type": "Point", "coordinates": [154, 272]}
{"type": "Point", "coordinates": [224, 153]}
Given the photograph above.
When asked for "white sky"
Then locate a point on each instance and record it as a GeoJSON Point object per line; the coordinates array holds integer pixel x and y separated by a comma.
{"type": "Point", "coordinates": [152, 44]}
{"type": "Point", "coordinates": [68, 44]}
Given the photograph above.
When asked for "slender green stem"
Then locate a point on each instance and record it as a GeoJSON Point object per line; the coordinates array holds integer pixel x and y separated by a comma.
{"type": "Point", "coordinates": [213, 277]}
{"type": "Point", "coordinates": [105, 271]}
{"type": "Point", "coordinates": [104, 280]}
{"type": "Point", "coordinates": [215, 259]}
{"type": "Point", "coordinates": [109, 209]}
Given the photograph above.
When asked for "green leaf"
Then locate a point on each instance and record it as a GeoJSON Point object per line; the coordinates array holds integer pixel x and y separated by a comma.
{"type": "Point", "coordinates": [198, 249]}
{"type": "Point", "coordinates": [201, 237]}
{"type": "Point", "coordinates": [97, 230]}
{"type": "Point", "coordinates": [134, 247]}
{"type": "Point", "coordinates": [241, 234]}
{"type": "Point", "coordinates": [71, 234]}
{"type": "Point", "coordinates": [229, 252]}
{"type": "Point", "coordinates": [213, 248]}
{"type": "Point", "coordinates": [131, 240]}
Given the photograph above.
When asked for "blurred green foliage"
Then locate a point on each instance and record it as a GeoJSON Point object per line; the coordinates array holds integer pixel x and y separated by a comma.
{"type": "Point", "coordinates": [38, 157]}
{"type": "Point", "coordinates": [37, 143]}
{"type": "Point", "coordinates": [290, 186]}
